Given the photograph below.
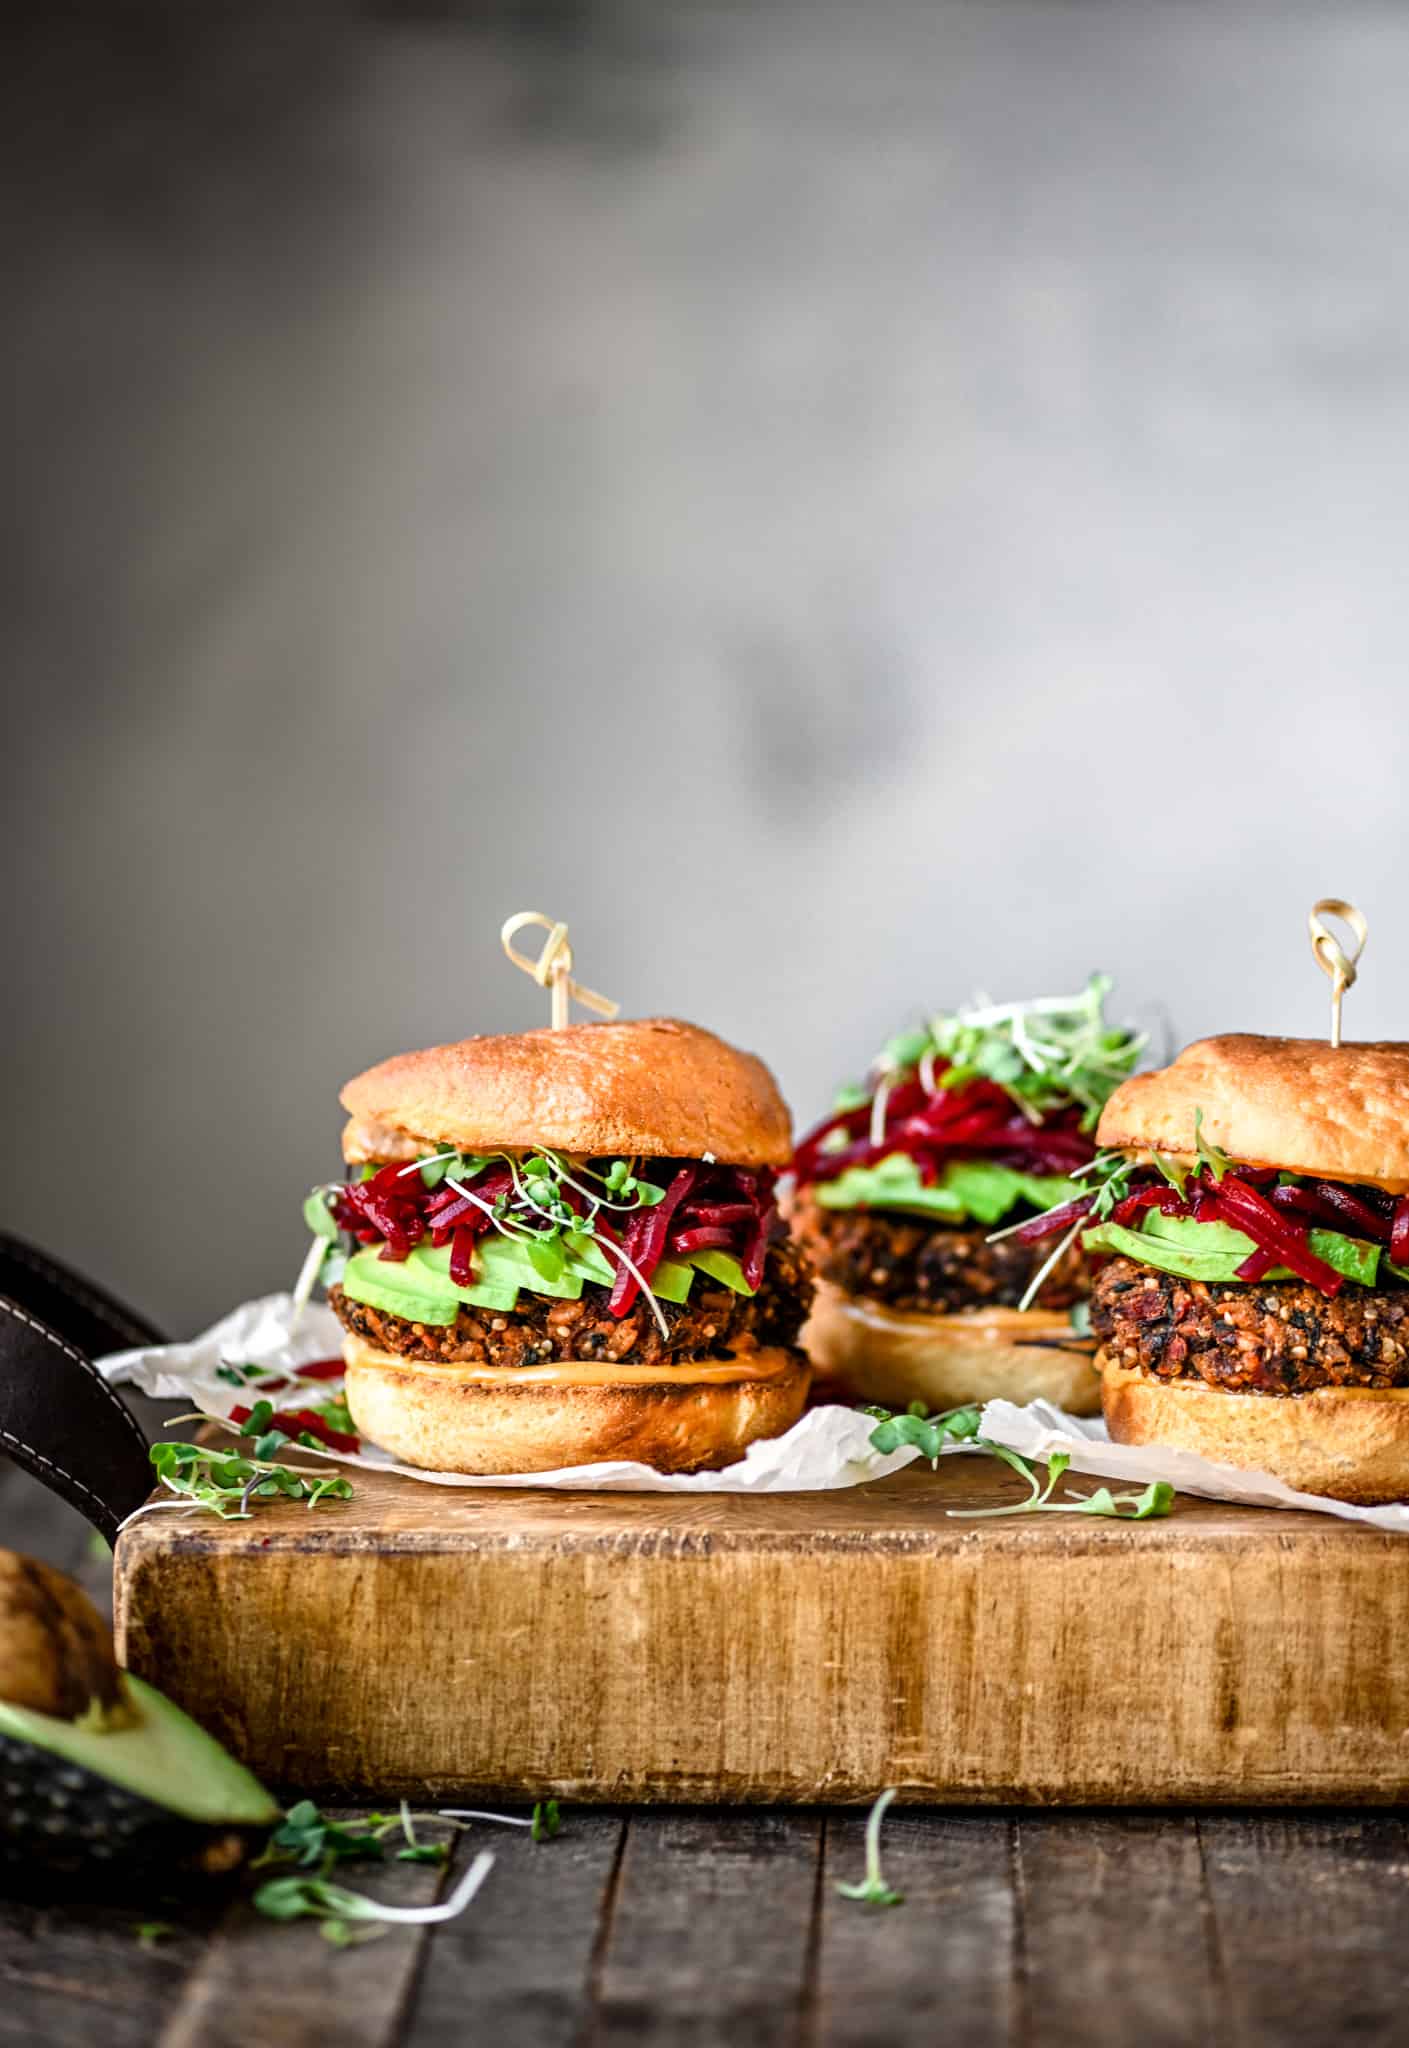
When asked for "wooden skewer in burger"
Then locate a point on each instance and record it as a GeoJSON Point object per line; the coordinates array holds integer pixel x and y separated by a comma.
{"type": "Point", "coordinates": [564, 1247]}
{"type": "Point", "coordinates": [1254, 1207]}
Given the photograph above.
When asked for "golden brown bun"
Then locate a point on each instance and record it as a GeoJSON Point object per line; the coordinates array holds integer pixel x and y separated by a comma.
{"type": "Point", "coordinates": [1340, 1442]}
{"type": "Point", "coordinates": [878, 1354]}
{"type": "Point", "coordinates": [1339, 1112]}
{"type": "Point", "coordinates": [445, 1419]}
{"type": "Point", "coordinates": [656, 1087]}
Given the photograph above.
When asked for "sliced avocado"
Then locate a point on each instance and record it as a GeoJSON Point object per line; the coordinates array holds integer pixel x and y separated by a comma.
{"type": "Point", "coordinates": [126, 1785]}
{"type": "Point", "coordinates": [398, 1289]}
{"type": "Point", "coordinates": [672, 1280]}
{"type": "Point", "coordinates": [588, 1258]}
{"type": "Point", "coordinates": [1213, 1252]}
{"type": "Point", "coordinates": [419, 1288]}
{"type": "Point", "coordinates": [505, 1262]}
{"type": "Point", "coordinates": [724, 1267]}
{"type": "Point", "coordinates": [977, 1190]}
{"type": "Point", "coordinates": [154, 1752]}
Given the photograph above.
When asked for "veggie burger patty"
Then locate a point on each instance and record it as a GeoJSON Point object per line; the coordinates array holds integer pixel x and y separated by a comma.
{"type": "Point", "coordinates": [912, 1264]}
{"type": "Point", "coordinates": [1272, 1337]}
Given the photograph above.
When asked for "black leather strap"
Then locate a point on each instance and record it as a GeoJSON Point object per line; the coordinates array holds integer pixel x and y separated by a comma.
{"type": "Point", "coordinates": [59, 1418]}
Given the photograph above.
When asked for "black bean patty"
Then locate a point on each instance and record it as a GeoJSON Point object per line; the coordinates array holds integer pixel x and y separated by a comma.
{"type": "Point", "coordinates": [1263, 1337]}
{"type": "Point", "coordinates": [713, 1323]}
{"type": "Point", "coordinates": [913, 1263]}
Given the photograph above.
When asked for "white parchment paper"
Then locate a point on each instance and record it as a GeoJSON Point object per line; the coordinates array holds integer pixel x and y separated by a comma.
{"type": "Point", "coordinates": [1039, 1429]}
{"type": "Point", "coordinates": [829, 1447]}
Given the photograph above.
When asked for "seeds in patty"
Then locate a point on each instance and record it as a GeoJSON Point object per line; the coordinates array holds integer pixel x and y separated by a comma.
{"type": "Point", "coordinates": [1284, 1337]}
{"type": "Point", "coordinates": [913, 1263]}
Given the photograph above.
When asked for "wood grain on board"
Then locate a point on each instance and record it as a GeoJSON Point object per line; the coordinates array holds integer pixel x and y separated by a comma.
{"type": "Point", "coordinates": [795, 1647]}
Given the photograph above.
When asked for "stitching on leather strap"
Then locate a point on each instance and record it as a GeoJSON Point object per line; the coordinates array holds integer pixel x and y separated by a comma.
{"type": "Point", "coordinates": [19, 1444]}
{"type": "Point", "coordinates": [110, 1312]}
{"type": "Point", "coordinates": [41, 1330]}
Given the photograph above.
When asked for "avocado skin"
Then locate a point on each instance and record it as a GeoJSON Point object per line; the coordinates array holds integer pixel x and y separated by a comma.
{"type": "Point", "coordinates": [67, 1829]}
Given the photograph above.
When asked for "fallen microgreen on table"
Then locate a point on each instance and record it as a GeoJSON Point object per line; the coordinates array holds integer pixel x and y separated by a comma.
{"type": "Point", "coordinates": [959, 1428]}
{"type": "Point", "coordinates": [227, 1483]}
{"type": "Point", "coordinates": [347, 1917]}
{"type": "Point", "coordinates": [872, 1890]}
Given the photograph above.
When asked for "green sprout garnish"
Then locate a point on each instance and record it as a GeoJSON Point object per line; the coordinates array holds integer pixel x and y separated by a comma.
{"type": "Point", "coordinates": [226, 1483]}
{"type": "Point", "coordinates": [150, 1932]}
{"type": "Point", "coordinates": [348, 1917]}
{"type": "Point", "coordinates": [927, 1433]}
{"type": "Point", "coordinates": [959, 1427]}
{"type": "Point", "coordinates": [873, 1889]}
{"type": "Point", "coordinates": [1210, 1155]}
{"type": "Point", "coordinates": [1047, 1054]}
{"type": "Point", "coordinates": [545, 1822]}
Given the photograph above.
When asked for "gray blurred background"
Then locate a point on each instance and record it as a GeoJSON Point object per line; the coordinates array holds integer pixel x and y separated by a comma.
{"type": "Point", "coordinates": [846, 504]}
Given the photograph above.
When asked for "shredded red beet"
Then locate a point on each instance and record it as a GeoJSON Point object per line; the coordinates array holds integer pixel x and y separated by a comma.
{"type": "Point", "coordinates": [1240, 1204]}
{"type": "Point", "coordinates": [1158, 1195]}
{"type": "Point", "coordinates": [1256, 1266]}
{"type": "Point", "coordinates": [1399, 1233]}
{"type": "Point", "coordinates": [978, 1120]}
{"type": "Point", "coordinates": [1054, 1221]}
{"type": "Point", "coordinates": [644, 1241]}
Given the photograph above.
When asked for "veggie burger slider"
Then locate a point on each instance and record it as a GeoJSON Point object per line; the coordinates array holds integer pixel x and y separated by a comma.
{"type": "Point", "coordinates": [1256, 1308]}
{"type": "Point", "coordinates": [564, 1248]}
{"type": "Point", "coordinates": [917, 1199]}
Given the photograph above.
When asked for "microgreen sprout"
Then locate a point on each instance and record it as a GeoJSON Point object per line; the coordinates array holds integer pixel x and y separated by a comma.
{"type": "Point", "coordinates": [226, 1483]}
{"type": "Point", "coordinates": [873, 1890]}
{"type": "Point", "coordinates": [543, 1824]}
{"type": "Point", "coordinates": [928, 1433]}
{"type": "Point", "coordinates": [1210, 1155]}
{"type": "Point", "coordinates": [150, 1932]}
{"type": "Point", "coordinates": [347, 1916]}
{"type": "Point", "coordinates": [1045, 1055]}
{"type": "Point", "coordinates": [958, 1428]}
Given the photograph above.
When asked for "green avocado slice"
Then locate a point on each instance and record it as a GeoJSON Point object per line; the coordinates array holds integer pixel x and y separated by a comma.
{"type": "Point", "coordinates": [164, 1757]}
{"type": "Point", "coordinates": [419, 1289]}
{"type": "Point", "coordinates": [725, 1268]}
{"type": "Point", "coordinates": [1212, 1252]}
{"type": "Point", "coordinates": [978, 1190]}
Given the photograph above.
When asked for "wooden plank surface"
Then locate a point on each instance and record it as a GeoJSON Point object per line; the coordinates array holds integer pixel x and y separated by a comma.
{"type": "Point", "coordinates": [1308, 1921]}
{"type": "Point", "coordinates": [721, 1929]}
{"type": "Point", "coordinates": [284, 1986]}
{"type": "Point", "coordinates": [804, 1647]}
{"type": "Point", "coordinates": [1116, 1937]}
{"type": "Point", "coordinates": [709, 1934]}
{"type": "Point", "coordinates": [942, 1966]}
{"type": "Point", "coordinates": [520, 1967]}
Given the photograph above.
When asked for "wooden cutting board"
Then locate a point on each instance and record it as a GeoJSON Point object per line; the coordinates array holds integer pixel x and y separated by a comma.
{"type": "Point", "coordinates": [421, 1640]}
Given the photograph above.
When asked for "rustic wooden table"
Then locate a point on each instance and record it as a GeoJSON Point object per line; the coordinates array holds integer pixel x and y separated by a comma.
{"type": "Point", "coordinates": [696, 1926]}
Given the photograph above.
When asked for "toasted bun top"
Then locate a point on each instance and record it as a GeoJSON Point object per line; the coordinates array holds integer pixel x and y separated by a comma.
{"type": "Point", "coordinates": [1297, 1103]}
{"type": "Point", "coordinates": [655, 1087]}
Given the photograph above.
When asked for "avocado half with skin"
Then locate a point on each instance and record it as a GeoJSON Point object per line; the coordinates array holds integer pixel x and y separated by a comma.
{"type": "Point", "coordinates": [101, 1777]}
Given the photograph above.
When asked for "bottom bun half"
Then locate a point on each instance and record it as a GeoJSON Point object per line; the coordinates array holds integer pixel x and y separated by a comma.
{"type": "Point", "coordinates": [1345, 1443]}
{"type": "Point", "coordinates": [489, 1420]}
{"type": "Point", "coordinates": [882, 1355]}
